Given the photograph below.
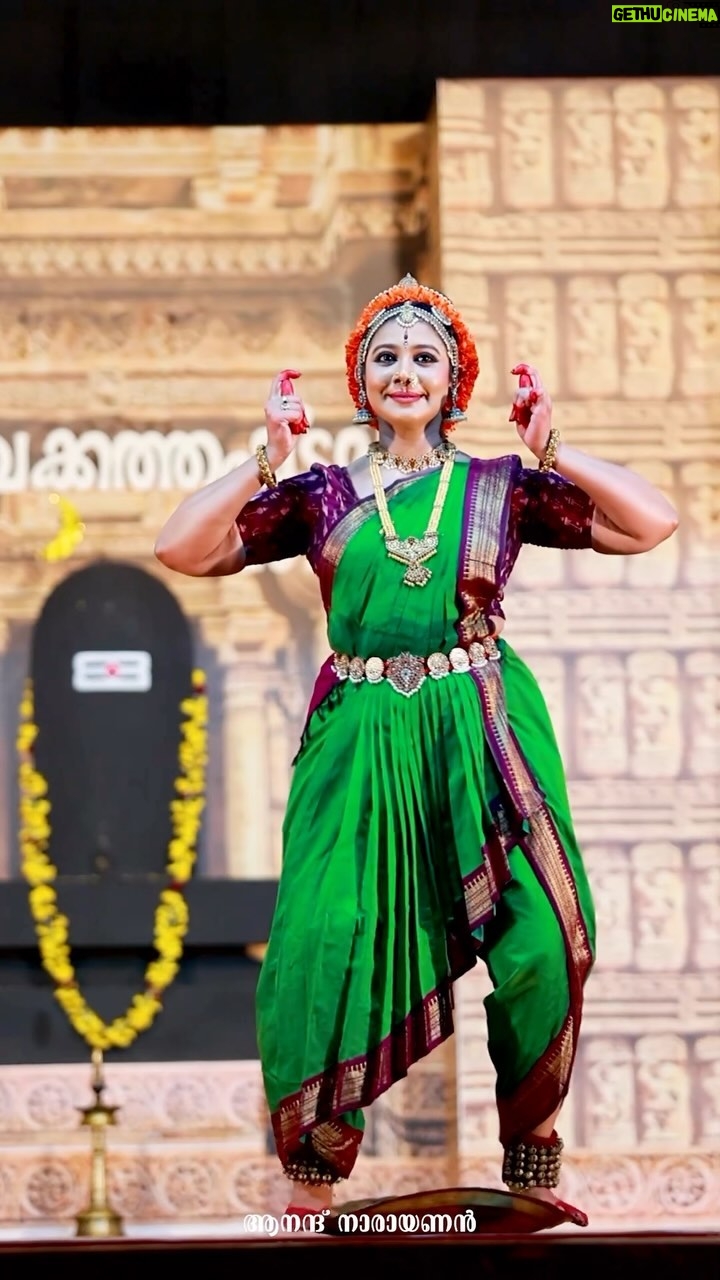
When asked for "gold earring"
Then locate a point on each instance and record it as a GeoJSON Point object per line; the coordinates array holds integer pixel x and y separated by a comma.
{"type": "Point", "coordinates": [364, 417]}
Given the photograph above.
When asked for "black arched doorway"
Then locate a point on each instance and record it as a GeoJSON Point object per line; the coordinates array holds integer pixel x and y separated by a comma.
{"type": "Point", "coordinates": [111, 660]}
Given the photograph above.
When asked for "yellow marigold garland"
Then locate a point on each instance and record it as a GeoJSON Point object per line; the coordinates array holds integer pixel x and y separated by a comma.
{"type": "Point", "coordinates": [171, 915]}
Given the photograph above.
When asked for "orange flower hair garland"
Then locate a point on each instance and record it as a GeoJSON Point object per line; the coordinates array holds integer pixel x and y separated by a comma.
{"type": "Point", "coordinates": [408, 290]}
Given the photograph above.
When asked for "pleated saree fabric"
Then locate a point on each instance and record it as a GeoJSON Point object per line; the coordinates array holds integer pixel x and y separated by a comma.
{"type": "Point", "coordinates": [422, 832]}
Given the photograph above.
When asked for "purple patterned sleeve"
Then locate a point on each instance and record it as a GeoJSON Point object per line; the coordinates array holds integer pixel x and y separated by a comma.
{"type": "Point", "coordinates": [550, 511]}
{"type": "Point", "coordinates": [278, 523]}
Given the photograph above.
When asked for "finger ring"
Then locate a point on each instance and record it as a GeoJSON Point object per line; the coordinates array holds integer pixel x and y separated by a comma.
{"type": "Point", "coordinates": [284, 402]}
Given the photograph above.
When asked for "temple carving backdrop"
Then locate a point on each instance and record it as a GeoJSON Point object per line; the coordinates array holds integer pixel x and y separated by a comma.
{"type": "Point", "coordinates": [151, 282]}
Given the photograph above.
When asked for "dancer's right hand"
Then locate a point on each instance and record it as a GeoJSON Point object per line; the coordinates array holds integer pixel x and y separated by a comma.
{"type": "Point", "coordinates": [281, 412]}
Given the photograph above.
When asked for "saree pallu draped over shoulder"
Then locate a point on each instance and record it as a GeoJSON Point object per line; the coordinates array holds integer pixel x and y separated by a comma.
{"type": "Point", "coordinates": [421, 833]}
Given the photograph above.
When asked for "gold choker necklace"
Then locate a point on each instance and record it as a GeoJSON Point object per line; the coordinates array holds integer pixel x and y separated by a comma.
{"type": "Point", "coordinates": [394, 462]}
{"type": "Point", "coordinates": [412, 551]}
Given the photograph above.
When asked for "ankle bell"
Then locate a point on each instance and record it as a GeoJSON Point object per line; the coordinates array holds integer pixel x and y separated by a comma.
{"type": "Point", "coordinates": [533, 1162]}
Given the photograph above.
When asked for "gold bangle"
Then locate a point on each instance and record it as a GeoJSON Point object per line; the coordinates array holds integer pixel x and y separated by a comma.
{"type": "Point", "coordinates": [265, 471]}
{"type": "Point", "coordinates": [549, 457]}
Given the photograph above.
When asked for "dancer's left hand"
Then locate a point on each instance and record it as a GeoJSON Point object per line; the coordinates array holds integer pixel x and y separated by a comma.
{"type": "Point", "coordinates": [531, 410]}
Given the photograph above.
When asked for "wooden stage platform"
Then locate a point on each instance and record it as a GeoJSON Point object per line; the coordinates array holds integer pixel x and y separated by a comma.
{"type": "Point", "coordinates": [552, 1256]}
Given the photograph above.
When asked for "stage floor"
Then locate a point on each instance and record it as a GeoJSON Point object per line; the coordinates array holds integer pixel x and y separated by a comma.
{"type": "Point", "coordinates": [547, 1256]}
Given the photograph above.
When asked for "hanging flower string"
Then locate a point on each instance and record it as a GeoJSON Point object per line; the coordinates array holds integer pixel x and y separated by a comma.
{"type": "Point", "coordinates": [70, 533]}
{"type": "Point", "coordinates": [171, 915]}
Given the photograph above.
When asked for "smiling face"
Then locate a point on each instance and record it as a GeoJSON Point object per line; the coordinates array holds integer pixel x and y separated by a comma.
{"type": "Point", "coordinates": [407, 375]}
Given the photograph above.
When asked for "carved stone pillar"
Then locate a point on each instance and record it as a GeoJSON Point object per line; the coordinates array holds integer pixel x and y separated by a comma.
{"type": "Point", "coordinates": [247, 633]}
{"type": "Point", "coordinates": [245, 741]}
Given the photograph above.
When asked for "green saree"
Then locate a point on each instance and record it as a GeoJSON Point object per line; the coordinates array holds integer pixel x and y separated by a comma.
{"type": "Point", "coordinates": [419, 836]}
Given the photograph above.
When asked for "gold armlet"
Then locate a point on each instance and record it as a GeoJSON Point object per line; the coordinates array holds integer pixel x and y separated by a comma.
{"type": "Point", "coordinates": [549, 458]}
{"type": "Point", "coordinates": [265, 471]}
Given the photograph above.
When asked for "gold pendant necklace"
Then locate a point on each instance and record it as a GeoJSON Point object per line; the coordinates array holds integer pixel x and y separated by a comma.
{"type": "Point", "coordinates": [413, 552]}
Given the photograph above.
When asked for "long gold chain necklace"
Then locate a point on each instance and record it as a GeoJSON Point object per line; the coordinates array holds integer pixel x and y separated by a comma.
{"type": "Point", "coordinates": [412, 551]}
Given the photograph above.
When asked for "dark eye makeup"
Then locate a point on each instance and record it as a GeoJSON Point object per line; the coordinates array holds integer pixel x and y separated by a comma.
{"type": "Point", "coordinates": [387, 356]}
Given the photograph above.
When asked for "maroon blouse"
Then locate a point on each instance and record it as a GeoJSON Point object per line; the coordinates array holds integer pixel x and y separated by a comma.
{"type": "Point", "coordinates": [296, 517]}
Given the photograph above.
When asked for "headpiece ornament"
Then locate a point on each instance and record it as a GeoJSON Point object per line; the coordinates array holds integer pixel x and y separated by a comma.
{"type": "Point", "coordinates": [408, 302]}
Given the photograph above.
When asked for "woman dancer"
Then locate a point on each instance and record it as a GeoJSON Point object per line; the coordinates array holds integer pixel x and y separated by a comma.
{"type": "Point", "coordinates": [428, 822]}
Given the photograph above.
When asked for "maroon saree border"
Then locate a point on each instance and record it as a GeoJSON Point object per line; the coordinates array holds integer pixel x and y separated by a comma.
{"type": "Point", "coordinates": [545, 1087]}
{"type": "Point", "coordinates": [337, 1143]}
{"type": "Point", "coordinates": [326, 680]}
{"type": "Point", "coordinates": [542, 1091]}
{"type": "Point", "coordinates": [488, 495]}
{"type": "Point", "coordinates": [356, 1082]}
{"type": "Point", "coordinates": [509, 758]}
{"type": "Point", "coordinates": [483, 887]}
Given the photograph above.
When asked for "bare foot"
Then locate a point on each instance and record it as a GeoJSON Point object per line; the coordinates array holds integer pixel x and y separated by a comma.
{"type": "Point", "coordinates": [576, 1216]}
{"type": "Point", "coordinates": [310, 1199]}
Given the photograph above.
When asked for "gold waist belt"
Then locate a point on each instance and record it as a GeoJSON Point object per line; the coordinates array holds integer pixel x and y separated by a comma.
{"type": "Point", "coordinates": [407, 672]}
